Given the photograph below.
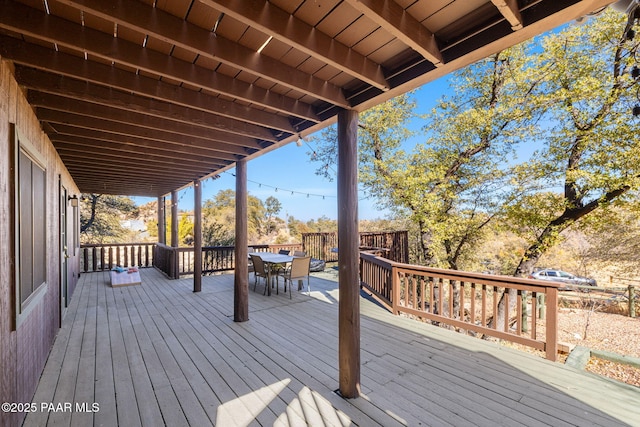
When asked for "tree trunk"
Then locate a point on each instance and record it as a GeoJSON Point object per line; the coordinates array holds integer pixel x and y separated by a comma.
{"type": "Point", "coordinates": [89, 223]}
{"type": "Point", "coordinates": [525, 267]}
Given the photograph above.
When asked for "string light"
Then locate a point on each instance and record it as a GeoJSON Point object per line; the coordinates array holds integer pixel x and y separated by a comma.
{"type": "Point", "coordinates": [294, 192]}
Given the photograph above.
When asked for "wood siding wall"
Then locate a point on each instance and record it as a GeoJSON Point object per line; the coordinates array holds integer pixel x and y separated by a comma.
{"type": "Point", "coordinates": [23, 352]}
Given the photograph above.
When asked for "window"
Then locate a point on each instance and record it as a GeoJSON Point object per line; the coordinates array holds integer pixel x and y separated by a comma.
{"type": "Point", "coordinates": [30, 226]}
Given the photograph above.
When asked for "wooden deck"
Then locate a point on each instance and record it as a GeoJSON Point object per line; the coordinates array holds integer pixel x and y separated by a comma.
{"type": "Point", "coordinates": [158, 354]}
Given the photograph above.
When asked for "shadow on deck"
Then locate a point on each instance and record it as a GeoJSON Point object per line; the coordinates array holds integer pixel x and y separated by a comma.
{"type": "Point", "coordinates": [158, 354]}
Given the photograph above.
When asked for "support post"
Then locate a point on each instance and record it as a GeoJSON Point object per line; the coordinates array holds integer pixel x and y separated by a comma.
{"type": "Point", "coordinates": [174, 219]}
{"type": "Point", "coordinates": [197, 236]}
{"type": "Point", "coordinates": [348, 255]}
{"type": "Point", "coordinates": [241, 275]}
{"type": "Point", "coordinates": [551, 334]}
{"type": "Point", "coordinates": [162, 230]}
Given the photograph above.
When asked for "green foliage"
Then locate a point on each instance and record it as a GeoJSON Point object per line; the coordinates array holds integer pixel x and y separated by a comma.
{"type": "Point", "coordinates": [589, 143]}
{"type": "Point", "coordinates": [185, 230]}
{"type": "Point", "coordinates": [100, 216]}
{"type": "Point", "coordinates": [572, 98]}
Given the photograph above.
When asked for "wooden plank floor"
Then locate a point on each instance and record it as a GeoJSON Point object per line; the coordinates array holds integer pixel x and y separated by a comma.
{"type": "Point", "coordinates": [158, 354]}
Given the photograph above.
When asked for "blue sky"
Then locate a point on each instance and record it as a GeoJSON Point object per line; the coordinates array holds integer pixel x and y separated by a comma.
{"type": "Point", "coordinates": [288, 174]}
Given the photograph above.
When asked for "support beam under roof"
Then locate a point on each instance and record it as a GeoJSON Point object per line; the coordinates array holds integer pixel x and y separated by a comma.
{"type": "Point", "coordinates": [509, 9]}
{"type": "Point", "coordinates": [272, 20]}
{"type": "Point", "coordinates": [394, 19]}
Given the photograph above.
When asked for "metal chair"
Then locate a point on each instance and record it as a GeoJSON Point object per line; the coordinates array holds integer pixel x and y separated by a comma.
{"type": "Point", "coordinates": [299, 270]}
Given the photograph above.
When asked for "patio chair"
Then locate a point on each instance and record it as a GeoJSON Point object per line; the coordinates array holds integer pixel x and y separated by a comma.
{"type": "Point", "coordinates": [279, 268]}
{"type": "Point", "coordinates": [299, 270]}
{"type": "Point", "coordinates": [299, 253]}
{"type": "Point", "coordinates": [259, 270]}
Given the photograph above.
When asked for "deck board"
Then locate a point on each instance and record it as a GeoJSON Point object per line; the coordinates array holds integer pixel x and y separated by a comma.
{"type": "Point", "coordinates": [159, 354]}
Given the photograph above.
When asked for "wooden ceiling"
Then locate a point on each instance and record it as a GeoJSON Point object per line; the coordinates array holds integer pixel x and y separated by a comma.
{"type": "Point", "coordinates": [141, 97]}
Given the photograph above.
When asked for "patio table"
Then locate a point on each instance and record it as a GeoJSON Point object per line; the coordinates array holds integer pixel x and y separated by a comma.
{"type": "Point", "coordinates": [271, 259]}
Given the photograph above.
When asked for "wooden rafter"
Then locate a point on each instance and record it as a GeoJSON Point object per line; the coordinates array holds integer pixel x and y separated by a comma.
{"type": "Point", "coordinates": [394, 19]}
{"type": "Point", "coordinates": [233, 142]}
{"type": "Point", "coordinates": [65, 145]}
{"type": "Point", "coordinates": [509, 9]}
{"type": "Point", "coordinates": [67, 65]}
{"type": "Point", "coordinates": [226, 151]}
{"type": "Point", "coordinates": [153, 21]}
{"type": "Point", "coordinates": [82, 91]}
{"type": "Point", "coordinates": [48, 28]}
{"type": "Point", "coordinates": [91, 137]}
{"type": "Point", "coordinates": [272, 20]}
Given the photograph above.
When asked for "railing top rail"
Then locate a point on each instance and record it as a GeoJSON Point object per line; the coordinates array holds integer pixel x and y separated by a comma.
{"type": "Point", "coordinates": [464, 276]}
{"type": "Point", "coordinates": [378, 260]}
{"type": "Point", "coordinates": [99, 245]}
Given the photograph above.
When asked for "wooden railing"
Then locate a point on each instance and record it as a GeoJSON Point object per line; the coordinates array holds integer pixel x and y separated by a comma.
{"type": "Point", "coordinates": [323, 245]}
{"type": "Point", "coordinates": [105, 256]}
{"type": "Point", "coordinates": [466, 301]}
{"type": "Point", "coordinates": [177, 262]}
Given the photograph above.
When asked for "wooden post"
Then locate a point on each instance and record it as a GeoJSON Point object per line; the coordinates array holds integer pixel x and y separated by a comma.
{"type": "Point", "coordinates": [551, 330]}
{"type": "Point", "coordinates": [395, 290]}
{"type": "Point", "coordinates": [632, 301]}
{"type": "Point", "coordinates": [525, 313]}
{"type": "Point", "coordinates": [197, 236]}
{"type": "Point", "coordinates": [174, 219]}
{"type": "Point", "coordinates": [241, 275]}
{"type": "Point", "coordinates": [542, 313]}
{"type": "Point", "coordinates": [162, 230]}
{"type": "Point", "coordinates": [348, 255]}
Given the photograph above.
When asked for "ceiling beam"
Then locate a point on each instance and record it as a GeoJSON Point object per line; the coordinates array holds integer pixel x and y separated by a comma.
{"type": "Point", "coordinates": [88, 185]}
{"type": "Point", "coordinates": [94, 136]}
{"type": "Point", "coordinates": [67, 65]}
{"type": "Point", "coordinates": [509, 9]}
{"type": "Point", "coordinates": [126, 173]}
{"type": "Point", "coordinates": [48, 28]}
{"type": "Point", "coordinates": [173, 30]}
{"type": "Point", "coordinates": [53, 116]}
{"type": "Point", "coordinates": [78, 143]}
{"type": "Point", "coordinates": [176, 168]}
{"type": "Point", "coordinates": [82, 91]}
{"type": "Point", "coordinates": [224, 141]}
{"type": "Point", "coordinates": [394, 19]}
{"type": "Point", "coordinates": [282, 26]}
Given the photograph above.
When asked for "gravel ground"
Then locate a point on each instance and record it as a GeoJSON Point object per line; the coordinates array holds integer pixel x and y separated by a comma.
{"type": "Point", "coordinates": [614, 333]}
{"type": "Point", "coordinates": [603, 331]}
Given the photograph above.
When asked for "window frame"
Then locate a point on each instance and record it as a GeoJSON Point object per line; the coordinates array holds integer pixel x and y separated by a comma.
{"type": "Point", "coordinates": [21, 145]}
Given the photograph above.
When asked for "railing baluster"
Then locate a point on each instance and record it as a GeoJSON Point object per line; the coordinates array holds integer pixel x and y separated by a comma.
{"type": "Point", "coordinates": [473, 303]}
{"type": "Point", "coordinates": [462, 300]}
{"type": "Point", "coordinates": [506, 305]}
{"type": "Point", "coordinates": [495, 307]}
{"type": "Point", "coordinates": [483, 320]}
{"type": "Point", "coordinates": [519, 312]}
{"type": "Point", "coordinates": [534, 315]}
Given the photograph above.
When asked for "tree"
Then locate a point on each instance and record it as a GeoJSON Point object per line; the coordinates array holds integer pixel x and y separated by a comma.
{"type": "Point", "coordinates": [219, 214]}
{"type": "Point", "coordinates": [272, 209]}
{"type": "Point", "coordinates": [100, 216]}
{"type": "Point", "coordinates": [451, 185]}
{"type": "Point", "coordinates": [185, 230]}
{"type": "Point", "coordinates": [590, 140]}
{"type": "Point", "coordinates": [590, 146]}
